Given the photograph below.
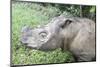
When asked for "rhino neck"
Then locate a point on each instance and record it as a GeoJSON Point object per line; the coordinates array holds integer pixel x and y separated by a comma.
{"type": "Point", "coordinates": [68, 40]}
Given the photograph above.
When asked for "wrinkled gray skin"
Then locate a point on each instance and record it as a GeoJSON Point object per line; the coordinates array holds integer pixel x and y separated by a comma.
{"type": "Point", "coordinates": [76, 35]}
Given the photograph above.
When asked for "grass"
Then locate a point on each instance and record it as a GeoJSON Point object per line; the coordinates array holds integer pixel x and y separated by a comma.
{"type": "Point", "coordinates": [32, 14]}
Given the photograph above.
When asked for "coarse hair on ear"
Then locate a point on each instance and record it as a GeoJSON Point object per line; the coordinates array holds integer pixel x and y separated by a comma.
{"type": "Point", "coordinates": [66, 22]}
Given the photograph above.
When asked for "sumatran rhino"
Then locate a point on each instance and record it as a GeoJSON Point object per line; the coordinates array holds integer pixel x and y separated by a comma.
{"type": "Point", "coordinates": [73, 34]}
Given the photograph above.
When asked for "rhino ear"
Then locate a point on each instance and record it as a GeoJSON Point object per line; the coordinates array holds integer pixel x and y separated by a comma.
{"type": "Point", "coordinates": [66, 22]}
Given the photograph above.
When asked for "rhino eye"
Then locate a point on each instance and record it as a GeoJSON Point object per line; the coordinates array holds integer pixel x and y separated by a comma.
{"type": "Point", "coordinates": [43, 34]}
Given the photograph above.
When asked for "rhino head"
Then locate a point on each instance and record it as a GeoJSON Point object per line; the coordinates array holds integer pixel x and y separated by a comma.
{"type": "Point", "coordinates": [47, 37]}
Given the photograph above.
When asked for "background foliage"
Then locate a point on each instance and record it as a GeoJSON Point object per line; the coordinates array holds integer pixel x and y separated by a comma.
{"type": "Point", "coordinates": [33, 14]}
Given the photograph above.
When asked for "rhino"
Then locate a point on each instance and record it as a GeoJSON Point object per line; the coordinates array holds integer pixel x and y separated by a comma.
{"type": "Point", "coordinates": [73, 34]}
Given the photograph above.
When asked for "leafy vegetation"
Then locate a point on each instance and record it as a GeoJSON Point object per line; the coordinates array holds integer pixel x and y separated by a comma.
{"type": "Point", "coordinates": [33, 14]}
